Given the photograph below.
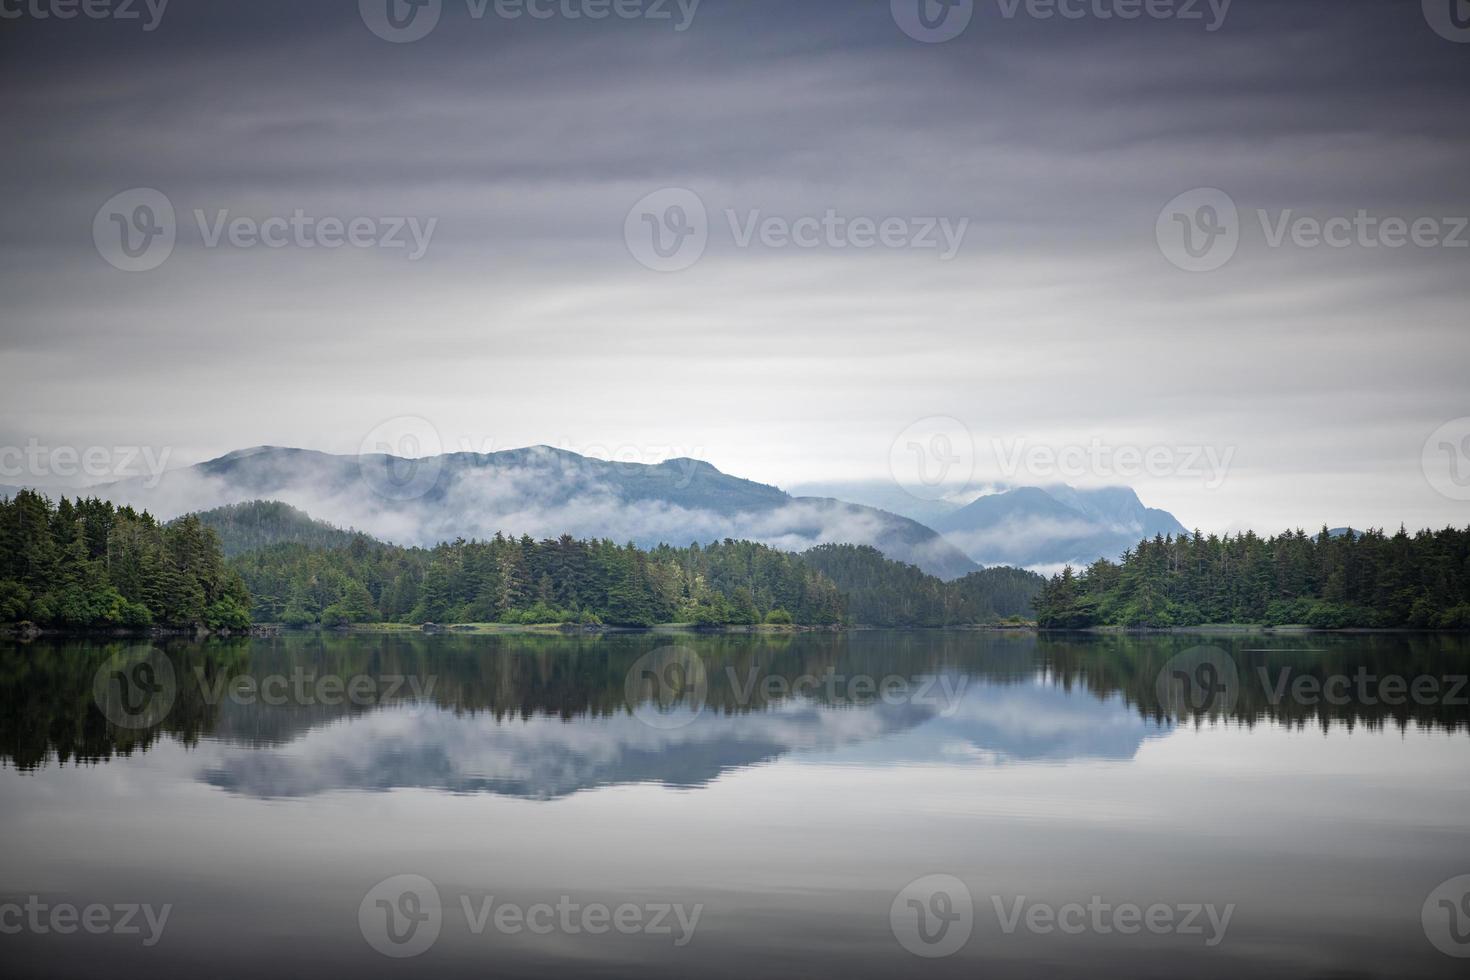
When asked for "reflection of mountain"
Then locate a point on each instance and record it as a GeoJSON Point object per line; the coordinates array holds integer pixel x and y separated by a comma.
{"type": "Point", "coordinates": [1039, 722]}
{"type": "Point", "coordinates": [543, 716]}
{"type": "Point", "coordinates": [539, 491]}
{"type": "Point", "coordinates": [544, 758]}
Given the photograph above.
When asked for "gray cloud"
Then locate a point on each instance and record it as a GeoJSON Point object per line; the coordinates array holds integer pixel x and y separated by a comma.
{"type": "Point", "coordinates": [528, 322]}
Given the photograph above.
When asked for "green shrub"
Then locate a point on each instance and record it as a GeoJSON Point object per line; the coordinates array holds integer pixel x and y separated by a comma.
{"type": "Point", "coordinates": [226, 613]}
{"type": "Point", "coordinates": [540, 614]}
{"type": "Point", "coordinates": [15, 602]}
{"type": "Point", "coordinates": [1456, 617]}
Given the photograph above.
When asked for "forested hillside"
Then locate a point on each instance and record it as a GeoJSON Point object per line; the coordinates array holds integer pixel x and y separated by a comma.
{"type": "Point", "coordinates": [521, 580]}
{"type": "Point", "coordinates": [86, 563]}
{"type": "Point", "coordinates": [262, 523]}
{"type": "Point", "coordinates": [1330, 581]}
{"type": "Point", "coordinates": [885, 593]}
{"type": "Point", "coordinates": [89, 564]}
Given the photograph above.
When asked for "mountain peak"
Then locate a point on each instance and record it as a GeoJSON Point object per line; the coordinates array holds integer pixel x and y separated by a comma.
{"type": "Point", "coordinates": [237, 454]}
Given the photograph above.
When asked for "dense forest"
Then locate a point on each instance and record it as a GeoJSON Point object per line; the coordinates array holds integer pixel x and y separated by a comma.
{"type": "Point", "coordinates": [520, 580]}
{"type": "Point", "coordinates": [510, 580]}
{"type": "Point", "coordinates": [1330, 581]}
{"type": "Point", "coordinates": [88, 564]}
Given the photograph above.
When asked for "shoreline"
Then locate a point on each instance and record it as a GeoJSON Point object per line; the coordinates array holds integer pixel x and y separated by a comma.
{"type": "Point", "coordinates": [25, 632]}
{"type": "Point", "coordinates": [30, 631]}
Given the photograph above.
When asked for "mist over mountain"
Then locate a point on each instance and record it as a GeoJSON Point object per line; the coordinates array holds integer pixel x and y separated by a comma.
{"type": "Point", "coordinates": [539, 491]}
{"type": "Point", "coordinates": [1040, 528]}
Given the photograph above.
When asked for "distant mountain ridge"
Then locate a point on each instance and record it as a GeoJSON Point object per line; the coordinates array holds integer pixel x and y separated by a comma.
{"type": "Point", "coordinates": [539, 491]}
{"type": "Point", "coordinates": [1039, 527]}
{"type": "Point", "coordinates": [1031, 527]}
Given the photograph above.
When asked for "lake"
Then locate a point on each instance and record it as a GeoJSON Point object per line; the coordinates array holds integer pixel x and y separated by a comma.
{"type": "Point", "coordinates": [956, 804]}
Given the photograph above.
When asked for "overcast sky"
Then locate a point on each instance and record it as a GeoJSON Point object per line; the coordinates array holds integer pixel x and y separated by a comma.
{"type": "Point", "coordinates": [1046, 149]}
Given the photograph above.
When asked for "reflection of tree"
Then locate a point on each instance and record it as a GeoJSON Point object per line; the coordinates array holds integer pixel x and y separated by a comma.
{"type": "Point", "coordinates": [1130, 665]}
{"type": "Point", "coordinates": [47, 708]}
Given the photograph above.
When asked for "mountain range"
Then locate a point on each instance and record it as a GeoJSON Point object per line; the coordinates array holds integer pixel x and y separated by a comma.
{"type": "Point", "coordinates": [548, 492]}
{"type": "Point", "coordinates": [540, 491]}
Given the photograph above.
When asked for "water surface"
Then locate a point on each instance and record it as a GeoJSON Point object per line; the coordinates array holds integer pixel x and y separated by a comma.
{"type": "Point", "coordinates": [792, 790]}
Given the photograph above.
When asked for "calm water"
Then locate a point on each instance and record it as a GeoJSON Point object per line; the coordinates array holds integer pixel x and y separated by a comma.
{"type": "Point", "coordinates": [805, 806]}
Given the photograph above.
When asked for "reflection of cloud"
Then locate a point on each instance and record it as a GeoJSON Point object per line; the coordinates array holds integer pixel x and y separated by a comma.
{"type": "Point", "coordinates": [544, 757]}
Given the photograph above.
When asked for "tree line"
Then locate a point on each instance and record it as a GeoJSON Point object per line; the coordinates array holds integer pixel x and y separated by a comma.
{"type": "Point", "coordinates": [525, 581]}
{"type": "Point", "coordinates": [86, 563]}
{"type": "Point", "coordinates": [1328, 581]}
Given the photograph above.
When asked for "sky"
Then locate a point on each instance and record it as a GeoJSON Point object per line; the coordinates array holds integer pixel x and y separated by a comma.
{"type": "Point", "coordinates": [940, 250]}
